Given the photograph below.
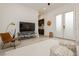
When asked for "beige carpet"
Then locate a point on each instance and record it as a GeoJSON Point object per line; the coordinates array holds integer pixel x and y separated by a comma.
{"type": "Point", "coordinates": [29, 41]}
{"type": "Point", "coordinates": [22, 43]}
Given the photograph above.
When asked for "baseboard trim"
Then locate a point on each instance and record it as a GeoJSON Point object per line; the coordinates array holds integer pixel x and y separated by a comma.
{"type": "Point", "coordinates": [64, 38]}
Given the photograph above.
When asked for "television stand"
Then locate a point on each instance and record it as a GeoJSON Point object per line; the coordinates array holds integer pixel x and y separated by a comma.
{"type": "Point", "coordinates": [29, 34]}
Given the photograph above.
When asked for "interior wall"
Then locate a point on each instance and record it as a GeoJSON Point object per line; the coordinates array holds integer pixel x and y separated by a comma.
{"type": "Point", "coordinates": [66, 8]}
{"type": "Point", "coordinates": [16, 13]}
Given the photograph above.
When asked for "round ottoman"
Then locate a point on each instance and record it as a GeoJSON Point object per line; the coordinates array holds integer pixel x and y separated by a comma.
{"type": "Point", "coordinates": [60, 51]}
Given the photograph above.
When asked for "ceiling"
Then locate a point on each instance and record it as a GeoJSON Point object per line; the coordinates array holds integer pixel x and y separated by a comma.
{"type": "Point", "coordinates": [43, 7]}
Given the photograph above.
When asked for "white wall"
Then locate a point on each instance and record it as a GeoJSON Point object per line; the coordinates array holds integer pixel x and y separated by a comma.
{"type": "Point", "coordinates": [49, 17]}
{"type": "Point", "coordinates": [16, 13]}
{"type": "Point", "coordinates": [66, 8]}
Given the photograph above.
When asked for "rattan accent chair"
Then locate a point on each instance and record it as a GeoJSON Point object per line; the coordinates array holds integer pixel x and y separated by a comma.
{"type": "Point", "coordinates": [6, 38]}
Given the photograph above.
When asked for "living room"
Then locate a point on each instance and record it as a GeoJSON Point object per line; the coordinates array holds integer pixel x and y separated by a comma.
{"type": "Point", "coordinates": [26, 16]}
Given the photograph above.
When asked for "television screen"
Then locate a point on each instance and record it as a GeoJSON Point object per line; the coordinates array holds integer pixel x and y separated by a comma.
{"type": "Point", "coordinates": [26, 26]}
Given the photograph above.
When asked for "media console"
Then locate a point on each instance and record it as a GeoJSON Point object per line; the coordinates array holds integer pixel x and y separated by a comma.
{"type": "Point", "coordinates": [26, 34]}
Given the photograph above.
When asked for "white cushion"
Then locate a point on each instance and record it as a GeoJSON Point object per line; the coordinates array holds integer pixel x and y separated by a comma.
{"type": "Point", "coordinates": [60, 51]}
{"type": "Point", "coordinates": [69, 44]}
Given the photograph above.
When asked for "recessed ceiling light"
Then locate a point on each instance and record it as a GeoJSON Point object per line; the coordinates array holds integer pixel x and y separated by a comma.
{"type": "Point", "coordinates": [44, 8]}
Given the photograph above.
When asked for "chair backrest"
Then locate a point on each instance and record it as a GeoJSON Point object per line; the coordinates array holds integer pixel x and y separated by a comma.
{"type": "Point", "coordinates": [14, 34]}
{"type": "Point", "coordinates": [12, 31]}
{"type": "Point", "coordinates": [6, 37]}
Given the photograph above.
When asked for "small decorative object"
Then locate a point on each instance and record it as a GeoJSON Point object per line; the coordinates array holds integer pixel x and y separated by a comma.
{"type": "Point", "coordinates": [50, 34]}
{"type": "Point", "coordinates": [49, 23]}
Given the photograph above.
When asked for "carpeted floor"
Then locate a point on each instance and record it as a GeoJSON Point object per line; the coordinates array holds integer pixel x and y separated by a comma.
{"type": "Point", "coordinates": [23, 42]}
{"type": "Point", "coordinates": [29, 41]}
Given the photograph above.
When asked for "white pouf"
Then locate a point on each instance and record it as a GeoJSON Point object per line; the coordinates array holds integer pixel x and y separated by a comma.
{"type": "Point", "coordinates": [60, 51]}
{"type": "Point", "coordinates": [69, 44]}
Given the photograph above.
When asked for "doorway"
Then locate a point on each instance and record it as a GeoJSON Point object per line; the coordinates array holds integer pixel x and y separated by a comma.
{"type": "Point", "coordinates": [41, 27]}
{"type": "Point", "coordinates": [64, 25]}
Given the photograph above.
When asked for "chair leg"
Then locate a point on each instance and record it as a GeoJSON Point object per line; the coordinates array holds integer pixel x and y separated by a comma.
{"type": "Point", "coordinates": [14, 44]}
{"type": "Point", "coordinates": [3, 45]}
{"type": "Point", "coordinates": [10, 44]}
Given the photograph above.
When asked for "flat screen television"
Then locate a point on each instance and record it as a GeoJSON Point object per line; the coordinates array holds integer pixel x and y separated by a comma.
{"type": "Point", "coordinates": [27, 26]}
